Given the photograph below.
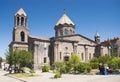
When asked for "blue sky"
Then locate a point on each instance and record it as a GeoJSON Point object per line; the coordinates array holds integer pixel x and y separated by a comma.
{"type": "Point", "coordinates": [89, 16]}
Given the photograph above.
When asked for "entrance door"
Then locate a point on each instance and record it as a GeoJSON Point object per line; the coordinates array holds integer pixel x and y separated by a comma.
{"type": "Point", "coordinates": [66, 58]}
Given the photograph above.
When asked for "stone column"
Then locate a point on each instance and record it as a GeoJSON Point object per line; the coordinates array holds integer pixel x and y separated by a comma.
{"type": "Point", "coordinates": [74, 48]}
{"type": "Point", "coordinates": [24, 22]}
{"type": "Point", "coordinates": [101, 50]}
{"type": "Point", "coordinates": [118, 51]}
{"type": "Point", "coordinates": [109, 50]}
{"type": "Point", "coordinates": [36, 56]}
{"type": "Point", "coordinates": [86, 53]}
{"type": "Point", "coordinates": [19, 21]}
{"type": "Point", "coordinates": [55, 51]}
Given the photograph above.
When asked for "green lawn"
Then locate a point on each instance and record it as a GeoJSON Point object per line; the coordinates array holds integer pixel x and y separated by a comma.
{"type": "Point", "coordinates": [24, 75]}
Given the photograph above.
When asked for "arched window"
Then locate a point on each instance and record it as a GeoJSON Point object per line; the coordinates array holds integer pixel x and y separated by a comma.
{"type": "Point", "coordinates": [22, 21]}
{"type": "Point", "coordinates": [71, 32]}
{"type": "Point", "coordinates": [18, 20]}
{"type": "Point", "coordinates": [61, 33]}
{"type": "Point", "coordinates": [66, 32]}
{"type": "Point", "coordinates": [82, 56]}
{"type": "Point", "coordinates": [22, 35]}
{"type": "Point", "coordinates": [56, 33]}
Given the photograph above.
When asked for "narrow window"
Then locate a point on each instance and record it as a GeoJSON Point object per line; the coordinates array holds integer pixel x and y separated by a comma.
{"type": "Point", "coordinates": [89, 56]}
{"type": "Point", "coordinates": [70, 31]}
{"type": "Point", "coordinates": [45, 51]}
{"type": "Point", "coordinates": [66, 32]}
{"type": "Point", "coordinates": [18, 20]}
{"type": "Point", "coordinates": [61, 33]}
{"type": "Point", "coordinates": [22, 21]}
{"type": "Point", "coordinates": [45, 59]}
{"type": "Point", "coordinates": [60, 55]}
{"type": "Point", "coordinates": [22, 36]}
{"type": "Point", "coordinates": [82, 56]}
{"type": "Point", "coordinates": [56, 33]}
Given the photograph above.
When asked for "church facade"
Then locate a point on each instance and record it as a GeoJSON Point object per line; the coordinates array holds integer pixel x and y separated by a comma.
{"type": "Point", "coordinates": [46, 50]}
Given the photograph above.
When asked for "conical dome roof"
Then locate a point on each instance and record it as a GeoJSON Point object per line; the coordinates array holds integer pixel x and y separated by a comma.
{"type": "Point", "coordinates": [21, 12]}
{"type": "Point", "coordinates": [64, 19]}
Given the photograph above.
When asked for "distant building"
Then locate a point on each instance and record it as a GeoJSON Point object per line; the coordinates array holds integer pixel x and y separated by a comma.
{"type": "Point", "coordinates": [59, 48]}
{"type": "Point", "coordinates": [113, 44]}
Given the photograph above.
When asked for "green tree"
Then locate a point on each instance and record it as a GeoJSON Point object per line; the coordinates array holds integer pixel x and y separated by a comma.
{"type": "Point", "coordinates": [94, 63]}
{"type": "Point", "coordinates": [114, 63]}
{"type": "Point", "coordinates": [10, 57]}
{"type": "Point", "coordinates": [0, 61]}
{"type": "Point", "coordinates": [19, 57]}
{"type": "Point", "coordinates": [58, 67]}
{"type": "Point", "coordinates": [74, 60]}
{"type": "Point", "coordinates": [68, 67]}
{"type": "Point", "coordinates": [24, 57]}
{"type": "Point", "coordinates": [104, 59]}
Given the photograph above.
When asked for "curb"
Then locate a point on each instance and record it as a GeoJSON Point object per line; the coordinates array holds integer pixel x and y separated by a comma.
{"type": "Point", "coordinates": [16, 78]}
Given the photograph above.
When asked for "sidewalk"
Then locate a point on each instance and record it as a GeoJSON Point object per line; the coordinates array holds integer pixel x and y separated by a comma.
{"type": "Point", "coordinates": [4, 78]}
{"type": "Point", "coordinates": [48, 77]}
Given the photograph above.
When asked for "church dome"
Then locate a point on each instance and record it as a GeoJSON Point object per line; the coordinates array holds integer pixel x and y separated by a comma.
{"type": "Point", "coordinates": [64, 20]}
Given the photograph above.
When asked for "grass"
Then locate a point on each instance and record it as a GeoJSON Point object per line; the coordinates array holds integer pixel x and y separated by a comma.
{"type": "Point", "coordinates": [23, 75]}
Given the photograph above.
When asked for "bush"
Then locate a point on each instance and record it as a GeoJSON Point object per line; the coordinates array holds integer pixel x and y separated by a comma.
{"type": "Point", "coordinates": [45, 68]}
{"type": "Point", "coordinates": [63, 69]}
{"type": "Point", "coordinates": [114, 63]}
{"type": "Point", "coordinates": [81, 68]}
{"type": "Point", "coordinates": [94, 60]}
{"type": "Point", "coordinates": [87, 67]}
{"type": "Point", "coordinates": [84, 68]}
{"type": "Point", "coordinates": [104, 59]}
{"type": "Point", "coordinates": [74, 60]}
{"type": "Point", "coordinates": [119, 65]}
{"type": "Point", "coordinates": [94, 65]}
{"type": "Point", "coordinates": [68, 67]}
{"type": "Point", "coordinates": [57, 75]}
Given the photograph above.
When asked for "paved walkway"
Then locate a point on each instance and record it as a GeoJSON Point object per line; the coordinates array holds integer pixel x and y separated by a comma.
{"type": "Point", "coordinates": [48, 77]}
{"type": "Point", "coordinates": [4, 78]}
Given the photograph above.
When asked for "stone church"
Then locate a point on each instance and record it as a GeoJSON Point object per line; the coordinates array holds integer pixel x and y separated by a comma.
{"type": "Point", "coordinates": [58, 48]}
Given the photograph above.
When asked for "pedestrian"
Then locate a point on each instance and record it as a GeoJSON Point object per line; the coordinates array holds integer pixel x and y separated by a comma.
{"type": "Point", "coordinates": [106, 69]}
{"type": "Point", "coordinates": [100, 68]}
{"type": "Point", "coordinates": [10, 70]}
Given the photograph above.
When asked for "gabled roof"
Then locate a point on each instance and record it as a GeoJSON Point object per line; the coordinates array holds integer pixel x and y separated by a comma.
{"type": "Point", "coordinates": [76, 35]}
{"type": "Point", "coordinates": [65, 19]}
{"type": "Point", "coordinates": [21, 12]}
{"type": "Point", "coordinates": [39, 37]}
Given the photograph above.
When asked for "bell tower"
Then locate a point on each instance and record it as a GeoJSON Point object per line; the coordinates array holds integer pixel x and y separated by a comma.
{"type": "Point", "coordinates": [20, 31]}
{"type": "Point", "coordinates": [97, 38]}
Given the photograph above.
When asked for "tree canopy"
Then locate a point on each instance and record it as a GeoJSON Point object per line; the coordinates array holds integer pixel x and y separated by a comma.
{"type": "Point", "coordinates": [74, 60]}
{"type": "Point", "coordinates": [0, 61]}
{"type": "Point", "coordinates": [19, 57]}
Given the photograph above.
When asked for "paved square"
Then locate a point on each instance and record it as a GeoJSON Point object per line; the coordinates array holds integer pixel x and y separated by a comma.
{"type": "Point", "coordinates": [48, 77]}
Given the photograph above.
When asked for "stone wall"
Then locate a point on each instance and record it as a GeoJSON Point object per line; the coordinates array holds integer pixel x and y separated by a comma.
{"type": "Point", "coordinates": [41, 50]}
